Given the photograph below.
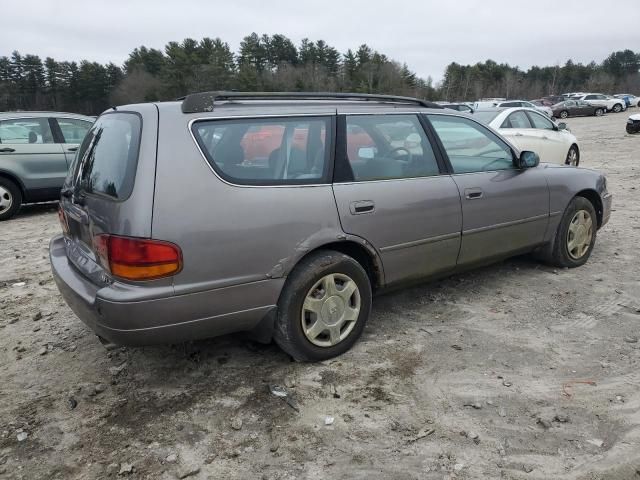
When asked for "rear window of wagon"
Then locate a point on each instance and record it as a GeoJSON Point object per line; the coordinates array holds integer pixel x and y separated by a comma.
{"type": "Point", "coordinates": [108, 155]}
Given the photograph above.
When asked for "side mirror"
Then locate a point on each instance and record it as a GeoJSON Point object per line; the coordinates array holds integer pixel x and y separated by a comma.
{"type": "Point", "coordinates": [528, 159]}
{"type": "Point", "coordinates": [562, 126]}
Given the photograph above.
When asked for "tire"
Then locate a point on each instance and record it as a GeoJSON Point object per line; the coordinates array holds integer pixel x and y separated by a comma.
{"type": "Point", "coordinates": [306, 289]}
{"type": "Point", "coordinates": [631, 130]}
{"type": "Point", "coordinates": [10, 199]}
{"type": "Point", "coordinates": [617, 108]}
{"type": "Point", "coordinates": [562, 256]}
{"type": "Point", "coordinates": [573, 156]}
{"type": "Point", "coordinates": [564, 114]}
{"type": "Point", "coordinates": [599, 112]}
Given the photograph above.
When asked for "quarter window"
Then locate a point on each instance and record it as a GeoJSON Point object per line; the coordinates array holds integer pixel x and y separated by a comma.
{"type": "Point", "coordinates": [267, 151]}
{"type": "Point", "coordinates": [381, 147]}
{"type": "Point", "coordinates": [471, 147]}
{"type": "Point", "coordinates": [26, 131]}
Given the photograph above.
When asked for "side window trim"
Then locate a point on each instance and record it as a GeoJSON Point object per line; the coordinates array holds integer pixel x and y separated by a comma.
{"type": "Point", "coordinates": [330, 147]}
{"type": "Point", "coordinates": [55, 130]}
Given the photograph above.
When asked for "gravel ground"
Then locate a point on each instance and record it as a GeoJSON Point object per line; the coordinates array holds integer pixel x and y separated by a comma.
{"type": "Point", "coordinates": [512, 371]}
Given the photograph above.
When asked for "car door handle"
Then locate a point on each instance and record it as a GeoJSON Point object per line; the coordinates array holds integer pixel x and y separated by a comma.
{"type": "Point", "coordinates": [361, 206]}
{"type": "Point", "coordinates": [72, 149]}
{"type": "Point", "coordinates": [473, 193]}
{"type": "Point", "coordinates": [7, 150]}
{"type": "Point", "coordinates": [519, 134]}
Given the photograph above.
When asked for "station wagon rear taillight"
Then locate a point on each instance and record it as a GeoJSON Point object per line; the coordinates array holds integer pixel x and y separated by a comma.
{"type": "Point", "coordinates": [63, 221]}
{"type": "Point", "coordinates": [132, 258]}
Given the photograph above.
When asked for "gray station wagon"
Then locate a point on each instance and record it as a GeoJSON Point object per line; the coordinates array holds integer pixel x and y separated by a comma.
{"type": "Point", "coordinates": [36, 149]}
{"type": "Point", "coordinates": [282, 213]}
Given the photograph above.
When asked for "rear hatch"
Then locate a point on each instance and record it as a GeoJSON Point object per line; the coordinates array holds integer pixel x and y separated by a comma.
{"type": "Point", "coordinates": [109, 188]}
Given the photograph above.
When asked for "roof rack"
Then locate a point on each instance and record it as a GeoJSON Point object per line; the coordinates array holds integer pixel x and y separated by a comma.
{"type": "Point", "coordinates": [204, 102]}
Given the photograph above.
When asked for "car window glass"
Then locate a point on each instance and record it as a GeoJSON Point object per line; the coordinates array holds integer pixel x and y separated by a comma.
{"type": "Point", "coordinates": [109, 154]}
{"type": "Point", "coordinates": [25, 131]}
{"type": "Point", "coordinates": [267, 151]}
{"type": "Point", "coordinates": [470, 147]}
{"type": "Point", "coordinates": [540, 122]}
{"type": "Point", "coordinates": [73, 130]}
{"type": "Point", "coordinates": [383, 147]}
{"type": "Point", "coordinates": [571, 104]}
{"type": "Point", "coordinates": [517, 120]}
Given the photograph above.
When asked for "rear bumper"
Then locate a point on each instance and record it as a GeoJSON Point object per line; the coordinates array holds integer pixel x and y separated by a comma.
{"type": "Point", "coordinates": [169, 319]}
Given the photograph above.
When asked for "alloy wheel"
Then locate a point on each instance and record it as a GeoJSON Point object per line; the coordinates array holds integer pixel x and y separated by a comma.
{"type": "Point", "coordinates": [572, 157]}
{"type": "Point", "coordinates": [6, 199]}
{"type": "Point", "coordinates": [580, 234]}
{"type": "Point", "coordinates": [330, 310]}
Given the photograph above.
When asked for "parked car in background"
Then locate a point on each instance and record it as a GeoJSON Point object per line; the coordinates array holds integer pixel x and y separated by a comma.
{"type": "Point", "coordinates": [600, 100]}
{"type": "Point", "coordinates": [459, 106]}
{"type": "Point", "coordinates": [633, 123]}
{"type": "Point", "coordinates": [551, 100]}
{"type": "Point", "coordinates": [630, 100]}
{"type": "Point", "coordinates": [523, 103]}
{"type": "Point", "coordinates": [156, 250]}
{"type": "Point", "coordinates": [36, 150]}
{"type": "Point", "coordinates": [576, 108]}
{"type": "Point", "coordinates": [529, 129]}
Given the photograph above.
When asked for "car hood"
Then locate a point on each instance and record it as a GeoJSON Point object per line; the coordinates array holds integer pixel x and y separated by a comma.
{"type": "Point", "coordinates": [635, 116]}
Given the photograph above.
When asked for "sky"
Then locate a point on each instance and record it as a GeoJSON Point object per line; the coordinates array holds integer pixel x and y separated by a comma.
{"type": "Point", "coordinates": [427, 34]}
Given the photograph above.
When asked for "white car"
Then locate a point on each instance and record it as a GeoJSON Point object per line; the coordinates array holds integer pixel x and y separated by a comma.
{"type": "Point", "coordinates": [528, 129]}
{"type": "Point", "coordinates": [612, 104]}
{"type": "Point", "coordinates": [632, 100]}
{"type": "Point", "coordinates": [523, 103]}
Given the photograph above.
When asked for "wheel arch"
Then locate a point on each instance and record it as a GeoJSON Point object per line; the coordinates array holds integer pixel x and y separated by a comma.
{"type": "Point", "coordinates": [358, 249]}
{"type": "Point", "coordinates": [595, 200]}
{"type": "Point", "coordinates": [13, 178]}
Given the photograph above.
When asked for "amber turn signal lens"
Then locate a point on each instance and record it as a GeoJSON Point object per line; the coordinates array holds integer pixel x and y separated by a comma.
{"type": "Point", "coordinates": [133, 258]}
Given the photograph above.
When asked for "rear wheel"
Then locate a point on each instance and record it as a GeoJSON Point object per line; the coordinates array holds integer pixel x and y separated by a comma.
{"type": "Point", "coordinates": [599, 112]}
{"type": "Point", "coordinates": [573, 156]}
{"type": "Point", "coordinates": [323, 307]}
{"type": "Point", "coordinates": [617, 108]}
{"type": "Point", "coordinates": [576, 234]}
{"type": "Point", "coordinates": [564, 114]}
{"type": "Point", "coordinates": [10, 199]}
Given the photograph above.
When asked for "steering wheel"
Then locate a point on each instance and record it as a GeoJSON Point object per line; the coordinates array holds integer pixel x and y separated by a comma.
{"type": "Point", "coordinates": [398, 149]}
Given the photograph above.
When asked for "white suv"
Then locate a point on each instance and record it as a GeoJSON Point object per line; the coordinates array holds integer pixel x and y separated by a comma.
{"type": "Point", "coordinates": [598, 99]}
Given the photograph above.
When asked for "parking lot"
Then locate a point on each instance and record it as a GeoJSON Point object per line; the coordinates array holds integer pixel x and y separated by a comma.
{"type": "Point", "coordinates": [517, 370]}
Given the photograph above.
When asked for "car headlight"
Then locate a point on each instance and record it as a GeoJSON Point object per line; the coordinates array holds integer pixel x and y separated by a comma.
{"type": "Point", "coordinates": [629, 121]}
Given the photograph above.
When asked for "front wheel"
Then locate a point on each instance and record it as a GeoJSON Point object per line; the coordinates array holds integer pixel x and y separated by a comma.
{"type": "Point", "coordinates": [599, 112]}
{"type": "Point", "coordinates": [324, 307]}
{"type": "Point", "coordinates": [617, 108]}
{"type": "Point", "coordinates": [564, 114]}
{"type": "Point", "coordinates": [576, 234]}
{"type": "Point", "coordinates": [10, 199]}
{"type": "Point", "coordinates": [573, 156]}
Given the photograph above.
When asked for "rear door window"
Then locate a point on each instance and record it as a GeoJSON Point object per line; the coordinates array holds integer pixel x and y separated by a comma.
{"type": "Point", "coordinates": [273, 151]}
{"type": "Point", "coordinates": [26, 131]}
{"type": "Point", "coordinates": [517, 120]}
{"type": "Point", "coordinates": [108, 155]}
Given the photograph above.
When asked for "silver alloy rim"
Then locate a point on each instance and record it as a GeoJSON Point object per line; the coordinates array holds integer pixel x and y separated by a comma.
{"type": "Point", "coordinates": [564, 115]}
{"type": "Point", "coordinates": [580, 234]}
{"type": "Point", "coordinates": [598, 112]}
{"type": "Point", "coordinates": [330, 310]}
{"type": "Point", "coordinates": [6, 199]}
{"type": "Point", "coordinates": [572, 158]}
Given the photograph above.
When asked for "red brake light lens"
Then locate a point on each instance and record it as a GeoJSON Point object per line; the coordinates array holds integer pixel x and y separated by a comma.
{"type": "Point", "coordinates": [133, 258]}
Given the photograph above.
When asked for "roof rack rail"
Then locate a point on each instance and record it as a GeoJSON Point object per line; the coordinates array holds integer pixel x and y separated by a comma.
{"type": "Point", "coordinates": [204, 102]}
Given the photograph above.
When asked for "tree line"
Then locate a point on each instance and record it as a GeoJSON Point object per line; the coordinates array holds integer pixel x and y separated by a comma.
{"type": "Point", "coordinates": [275, 63]}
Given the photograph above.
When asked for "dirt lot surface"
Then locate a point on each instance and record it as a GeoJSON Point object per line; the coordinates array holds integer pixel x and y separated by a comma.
{"type": "Point", "coordinates": [512, 371]}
